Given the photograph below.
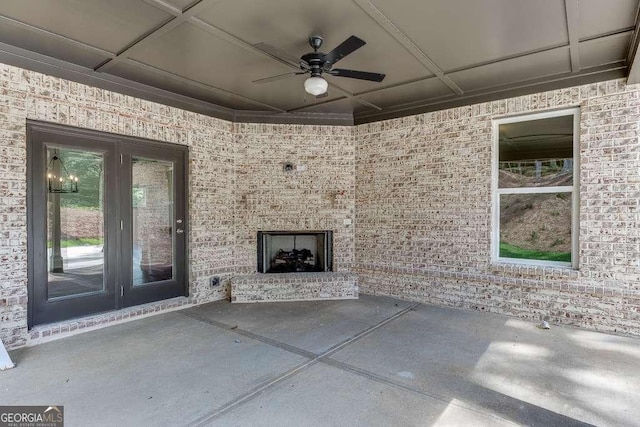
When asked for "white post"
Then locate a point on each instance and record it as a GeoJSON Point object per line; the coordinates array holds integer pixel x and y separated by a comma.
{"type": "Point", "coordinates": [5, 360]}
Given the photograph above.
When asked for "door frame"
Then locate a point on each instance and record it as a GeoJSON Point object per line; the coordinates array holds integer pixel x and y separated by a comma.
{"type": "Point", "coordinates": [113, 214]}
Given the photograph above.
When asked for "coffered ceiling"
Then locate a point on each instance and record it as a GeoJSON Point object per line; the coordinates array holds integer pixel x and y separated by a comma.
{"type": "Point", "coordinates": [205, 55]}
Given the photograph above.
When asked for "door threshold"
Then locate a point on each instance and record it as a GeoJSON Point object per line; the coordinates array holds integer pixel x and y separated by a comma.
{"type": "Point", "coordinates": [52, 331]}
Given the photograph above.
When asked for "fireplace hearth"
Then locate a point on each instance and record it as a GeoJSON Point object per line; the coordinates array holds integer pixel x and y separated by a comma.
{"type": "Point", "coordinates": [294, 251]}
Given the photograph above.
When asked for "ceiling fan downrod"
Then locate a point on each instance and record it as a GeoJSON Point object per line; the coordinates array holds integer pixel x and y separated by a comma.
{"type": "Point", "coordinates": [314, 62]}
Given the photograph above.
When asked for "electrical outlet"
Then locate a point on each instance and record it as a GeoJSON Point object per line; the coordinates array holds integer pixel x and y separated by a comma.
{"type": "Point", "coordinates": [214, 281]}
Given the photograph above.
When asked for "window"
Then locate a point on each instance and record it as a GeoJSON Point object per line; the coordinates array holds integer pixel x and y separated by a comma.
{"type": "Point", "coordinates": [535, 189]}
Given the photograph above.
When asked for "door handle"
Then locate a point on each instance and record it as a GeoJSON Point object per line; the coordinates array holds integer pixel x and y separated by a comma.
{"type": "Point", "coordinates": [179, 231]}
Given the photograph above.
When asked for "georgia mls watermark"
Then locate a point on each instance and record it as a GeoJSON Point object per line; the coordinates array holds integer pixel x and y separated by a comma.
{"type": "Point", "coordinates": [31, 416]}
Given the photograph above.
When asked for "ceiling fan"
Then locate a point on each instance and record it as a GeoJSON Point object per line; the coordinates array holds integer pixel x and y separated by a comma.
{"type": "Point", "coordinates": [317, 63]}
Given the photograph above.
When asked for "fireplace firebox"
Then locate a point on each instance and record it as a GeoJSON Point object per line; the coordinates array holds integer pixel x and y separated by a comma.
{"type": "Point", "coordinates": [294, 251]}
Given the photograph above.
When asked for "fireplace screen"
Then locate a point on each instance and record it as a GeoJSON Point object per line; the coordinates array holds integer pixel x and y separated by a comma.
{"type": "Point", "coordinates": [294, 251]}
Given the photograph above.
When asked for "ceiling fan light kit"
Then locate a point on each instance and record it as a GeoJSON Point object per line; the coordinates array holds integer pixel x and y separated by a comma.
{"type": "Point", "coordinates": [315, 86]}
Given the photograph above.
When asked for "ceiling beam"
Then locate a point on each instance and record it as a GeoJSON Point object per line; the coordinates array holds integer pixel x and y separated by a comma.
{"type": "Point", "coordinates": [44, 64]}
{"type": "Point", "coordinates": [214, 31]}
{"type": "Point", "coordinates": [618, 33]}
{"type": "Point", "coordinates": [93, 49]}
{"type": "Point", "coordinates": [202, 86]}
{"type": "Point", "coordinates": [221, 34]}
{"type": "Point", "coordinates": [84, 75]}
{"type": "Point", "coordinates": [508, 57]}
{"type": "Point", "coordinates": [301, 118]}
{"type": "Point", "coordinates": [229, 38]}
{"type": "Point", "coordinates": [391, 86]}
{"type": "Point", "coordinates": [571, 7]}
{"type": "Point", "coordinates": [29, 60]}
{"type": "Point", "coordinates": [633, 61]}
{"type": "Point", "coordinates": [352, 97]}
{"type": "Point", "coordinates": [54, 36]}
{"type": "Point", "coordinates": [164, 6]}
{"type": "Point", "coordinates": [564, 80]}
{"type": "Point", "coordinates": [409, 45]}
{"type": "Point", "coordinates": [179, 17]}
{"type": "Point", "coordinates": [249, 47]}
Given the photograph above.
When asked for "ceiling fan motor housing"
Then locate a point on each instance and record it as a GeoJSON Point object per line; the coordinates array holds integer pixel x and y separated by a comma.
{"type": "Point", "coordinates": [316, 63]}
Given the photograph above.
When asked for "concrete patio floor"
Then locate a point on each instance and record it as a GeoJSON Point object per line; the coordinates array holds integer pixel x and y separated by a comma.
{"type": "Point", "coordinates": [373, 361]}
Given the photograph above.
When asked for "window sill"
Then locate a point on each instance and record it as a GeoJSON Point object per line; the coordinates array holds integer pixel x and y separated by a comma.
{"type": "Point", "coordinates": [522, 262]}
{"type": "Point", "coordinates": [539, 269]}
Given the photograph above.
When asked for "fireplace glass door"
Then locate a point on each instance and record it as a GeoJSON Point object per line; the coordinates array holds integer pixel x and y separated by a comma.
{"type": "Point", "coordinates": [294, 252]}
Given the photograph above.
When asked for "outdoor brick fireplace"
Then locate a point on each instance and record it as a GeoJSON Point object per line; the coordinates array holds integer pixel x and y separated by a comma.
{"type": "Point", "coordinates": [294, 251]}
{"type": "Point", "coordinates": [299, 266]}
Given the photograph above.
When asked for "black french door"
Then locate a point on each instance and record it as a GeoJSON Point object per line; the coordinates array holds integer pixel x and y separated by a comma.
{"type": "Point", "coordinates": [106, 222]}
{"type": "Point", "coordinates": [153, 253]}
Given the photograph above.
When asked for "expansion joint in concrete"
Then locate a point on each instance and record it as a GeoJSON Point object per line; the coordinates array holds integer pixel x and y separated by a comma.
{"type": "Point", "coordinates": [313, 358]}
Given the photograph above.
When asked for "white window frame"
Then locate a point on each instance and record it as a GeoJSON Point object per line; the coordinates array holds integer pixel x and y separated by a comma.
{"type": "Point", "coordinates": [574, 189]}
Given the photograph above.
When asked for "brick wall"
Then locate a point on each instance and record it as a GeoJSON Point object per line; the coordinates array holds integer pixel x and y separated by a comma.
{"type": "Point", "coordinates": [29, 95]}
{"type": "Point", "coordinates": [318, 194]}
{"type": "Point", "coordinates": [417, 188]}
{"type": "Point", "coordinates": [423, 212]}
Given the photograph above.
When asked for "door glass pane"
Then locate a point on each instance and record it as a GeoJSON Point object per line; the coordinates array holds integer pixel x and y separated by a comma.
{"type": "Point", "coordinates": [152, 222]}
{"type": "Point", "coordinates": [75, 222]}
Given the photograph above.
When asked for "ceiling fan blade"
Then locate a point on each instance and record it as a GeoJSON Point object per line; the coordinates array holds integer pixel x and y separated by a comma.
{"type": "Point", "coordinates": [278, 77]}
{"type": "Point", "coordinates": [345, 48]}
{"type": "Point", "coordinates": [361, 75]}
{"type": "Point", "coordinates": [280, 55]}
